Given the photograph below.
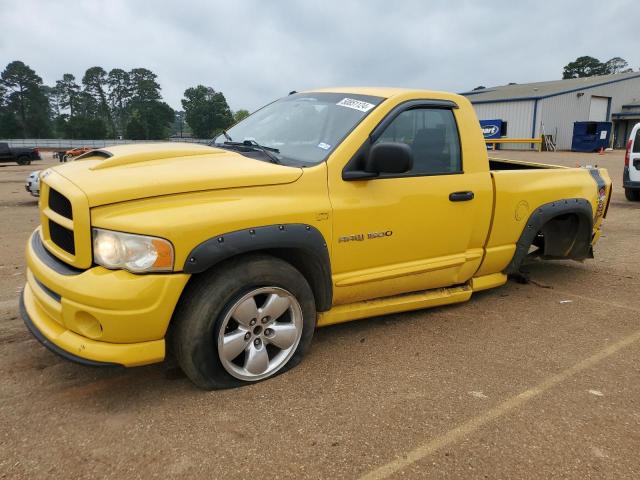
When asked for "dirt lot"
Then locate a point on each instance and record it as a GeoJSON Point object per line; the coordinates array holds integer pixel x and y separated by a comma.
{"type": "Point", "coordinates": [531, 380]}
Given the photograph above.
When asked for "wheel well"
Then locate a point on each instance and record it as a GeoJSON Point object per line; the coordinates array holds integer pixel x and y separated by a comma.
{"type": "Point", "coordinates": [309, 266]}
{"type": "Point", "coordinates": [302, 245]}
{"type": "Point", "coordinates": [561, 229]}
{"type": "Point", "coordinates": [312, 270]}
{"type": "Point", "coordinates": [564, 236]}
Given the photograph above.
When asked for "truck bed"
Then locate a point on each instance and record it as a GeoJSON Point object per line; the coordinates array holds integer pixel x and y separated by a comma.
{"type": "Point", "coordinates": [506, 164]}
{"type": "Point", "coordinates": [522, 187]}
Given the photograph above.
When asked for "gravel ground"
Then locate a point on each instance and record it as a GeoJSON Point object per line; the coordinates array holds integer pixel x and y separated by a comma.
{"type": "Point", "coordinates": [530, 380]}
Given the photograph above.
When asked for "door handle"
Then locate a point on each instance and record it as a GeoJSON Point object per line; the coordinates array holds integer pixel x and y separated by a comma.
{"type": "Point", "coordinates": [461, 196]}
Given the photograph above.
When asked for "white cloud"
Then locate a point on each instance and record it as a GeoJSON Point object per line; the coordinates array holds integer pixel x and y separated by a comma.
{"type": "Point", "coordinates": [255, 51]}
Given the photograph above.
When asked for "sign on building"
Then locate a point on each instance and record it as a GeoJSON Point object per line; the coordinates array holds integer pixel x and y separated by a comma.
{"type": "Point", "coordinates": [491, 129]}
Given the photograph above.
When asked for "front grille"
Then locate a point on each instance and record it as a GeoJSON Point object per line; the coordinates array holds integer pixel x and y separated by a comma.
{"type": "Point", "coordinates": [62, 237]}
{"type": "Point", "coordinates": [60, 204]}
{"type": "Point", "coordinates": [65, 219]}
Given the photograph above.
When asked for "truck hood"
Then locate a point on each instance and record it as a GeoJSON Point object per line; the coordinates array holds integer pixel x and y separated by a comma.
{"type": "Point", "coordinates": [130, 172]}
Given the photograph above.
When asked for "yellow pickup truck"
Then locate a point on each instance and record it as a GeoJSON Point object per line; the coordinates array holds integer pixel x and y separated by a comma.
{"type": "Point", "coordinates": [322, 207]}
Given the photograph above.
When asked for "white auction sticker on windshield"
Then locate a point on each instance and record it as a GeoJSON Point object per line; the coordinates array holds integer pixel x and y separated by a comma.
{"type": "Point", "coordinates": [355, 104]}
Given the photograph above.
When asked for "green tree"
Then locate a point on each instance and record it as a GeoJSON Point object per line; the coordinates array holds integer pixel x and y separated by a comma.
{"type": "Point", "coordinates": [143, 85]}
{"type": "Point", "coordinates": [95, 85]}
{"type": "Point", "coordinates": [119, 85]}
{"type": "Point", "coordinates": [589, 66]}
{"type": "Point", "coordinates": [9, 126]}
{"type": "Point", "coordinates": [26, 99]}
{"type": "Point", "coordinates": [240, 115]}
{"type": "Point", "coordinates": [68, 92]}
{"type": "Point", "coordinates": [54, 101]}
{"type": "Point", "coordinates": [158, 117]}
{"type": "Point", "coordinates": [135, 129]}
{"type": "Point", "coordinates": [179, 128]}
{"type": "Point", "coordinates": [148, 117]}
{"type": "Point", "coordinates": [583, 67]}
{"type": "Point", "coordinates": [84, 128]}
{"type": "Point", "coordinates": [3, 95]}
{"type": "Point", "coordinates": [617, 65]}
{"type": "Point", "coordinates": [206, 111]}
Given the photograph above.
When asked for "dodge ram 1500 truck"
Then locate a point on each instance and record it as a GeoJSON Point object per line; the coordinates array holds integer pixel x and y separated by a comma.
{"type": "Point", "coordinates": [320, 208]}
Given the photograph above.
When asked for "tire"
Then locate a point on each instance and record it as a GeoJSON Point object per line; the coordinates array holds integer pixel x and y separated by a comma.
{"type": "Point", "coordinates": [632, 195]}
{"type": "Point", "coordinates": [65, 158]}
{"type": "Point", "coordinates": [24, 161]}
{"type": "Point", "coordinates": [221, 301]}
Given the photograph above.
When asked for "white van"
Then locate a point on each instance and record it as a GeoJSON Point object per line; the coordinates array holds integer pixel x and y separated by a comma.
{"type": "Point", "coordinates": [631, 175]}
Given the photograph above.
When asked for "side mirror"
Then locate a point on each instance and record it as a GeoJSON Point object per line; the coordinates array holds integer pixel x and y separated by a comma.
{"type": "Point", "coordinates": [389, 157]}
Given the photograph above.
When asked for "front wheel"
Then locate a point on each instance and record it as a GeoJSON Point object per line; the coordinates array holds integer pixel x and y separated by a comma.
{"type": "Point", "coordinates": [24, 161]}
{"type": "Point", "coordinates": [250, 320]}
{"type": "Point", "coordinates": [632, 195]}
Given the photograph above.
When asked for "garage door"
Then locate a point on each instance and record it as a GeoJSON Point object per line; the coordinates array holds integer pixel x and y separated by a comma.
{"type": "Point", "coordinates": [598, 109]}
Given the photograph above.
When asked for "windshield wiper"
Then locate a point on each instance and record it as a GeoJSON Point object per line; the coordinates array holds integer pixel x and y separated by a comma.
{"type": "Point", "coordinates": [224, 133]}
{"type": "Point", "coordinates": [256, 146]}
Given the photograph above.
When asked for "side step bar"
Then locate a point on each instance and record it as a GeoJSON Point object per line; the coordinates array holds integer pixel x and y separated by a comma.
{"type": "Point", "coordinates": [409, 301]}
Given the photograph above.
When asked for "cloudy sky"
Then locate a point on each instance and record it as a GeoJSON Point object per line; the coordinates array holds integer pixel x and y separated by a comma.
{"type": "Point", "coordinates": [255, 51]}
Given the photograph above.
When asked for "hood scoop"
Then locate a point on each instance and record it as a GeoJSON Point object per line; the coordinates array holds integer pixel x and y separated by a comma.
{"type": "Point", "coordinates": [122, 155]}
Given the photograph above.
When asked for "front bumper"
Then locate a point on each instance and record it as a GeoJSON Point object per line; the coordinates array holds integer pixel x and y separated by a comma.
{"type": "Point", "coordinates": [32, 188]}
{"type": "Point", "coordinates": [98, 316]}
{"type": "Point", "coordinates": [44, 340]}
{"type": "Point", "coordinates": [627, 182]}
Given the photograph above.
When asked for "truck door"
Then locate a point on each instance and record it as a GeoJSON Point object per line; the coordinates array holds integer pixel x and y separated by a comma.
{"type": "Point", "coordinates": [414, 231]}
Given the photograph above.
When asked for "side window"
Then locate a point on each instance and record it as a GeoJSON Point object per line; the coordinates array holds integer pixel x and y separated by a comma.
{"type": "Point", "coordinates": [432, 134]}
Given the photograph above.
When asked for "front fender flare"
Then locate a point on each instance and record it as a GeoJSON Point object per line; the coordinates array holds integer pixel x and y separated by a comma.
{"type": "Point", "coordinates": [294, 237]}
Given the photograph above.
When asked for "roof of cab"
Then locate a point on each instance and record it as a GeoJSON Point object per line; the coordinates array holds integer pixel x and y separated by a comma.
{"type": "Point", "coordinates": [384, 92]}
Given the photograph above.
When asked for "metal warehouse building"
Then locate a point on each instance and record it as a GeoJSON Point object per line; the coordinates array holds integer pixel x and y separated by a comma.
{"type": "Point", "coordinates": [551, 108]}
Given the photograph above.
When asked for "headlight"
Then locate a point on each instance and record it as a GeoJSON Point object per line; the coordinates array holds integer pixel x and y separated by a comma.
{"type": "Point", "coordinates": [136, 253]}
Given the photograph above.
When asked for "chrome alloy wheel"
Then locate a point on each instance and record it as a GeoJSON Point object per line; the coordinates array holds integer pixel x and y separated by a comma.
{"type": "Point", "coordinates": [260, 333]}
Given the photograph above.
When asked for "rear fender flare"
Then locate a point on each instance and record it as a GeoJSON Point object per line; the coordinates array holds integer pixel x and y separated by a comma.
{"type": "Point", "coordinates": [543, 214]}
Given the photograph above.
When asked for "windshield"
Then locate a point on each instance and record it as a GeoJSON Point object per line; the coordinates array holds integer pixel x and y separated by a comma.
{"type": "Point", "coordinates": [303, 128]}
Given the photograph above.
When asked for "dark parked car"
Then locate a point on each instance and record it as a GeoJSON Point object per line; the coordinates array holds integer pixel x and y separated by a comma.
{"type": "Point", "coordinates": [21, 155]}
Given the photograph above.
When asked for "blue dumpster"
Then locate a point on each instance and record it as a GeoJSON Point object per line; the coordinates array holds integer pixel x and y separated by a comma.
{"type": "Point", "coordinates": [590, 136]}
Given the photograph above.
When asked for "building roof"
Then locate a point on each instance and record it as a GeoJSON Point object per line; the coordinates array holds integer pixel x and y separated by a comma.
{"type": "Point", "coordinates": [531, 91]}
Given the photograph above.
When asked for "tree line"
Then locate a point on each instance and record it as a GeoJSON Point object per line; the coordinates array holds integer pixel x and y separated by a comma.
{"type": "Point", "coordinates": [103, 105]}
{"type": "Point", "coordinates": [587, 66]}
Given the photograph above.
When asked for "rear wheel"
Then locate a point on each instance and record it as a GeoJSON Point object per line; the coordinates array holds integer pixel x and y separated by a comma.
{"type": "Point", "coordinates": [24, 161]}
{"type": "Point", "coordinates": [632, 195]}
{"type": "Point", "coordinates": [250, 320]}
